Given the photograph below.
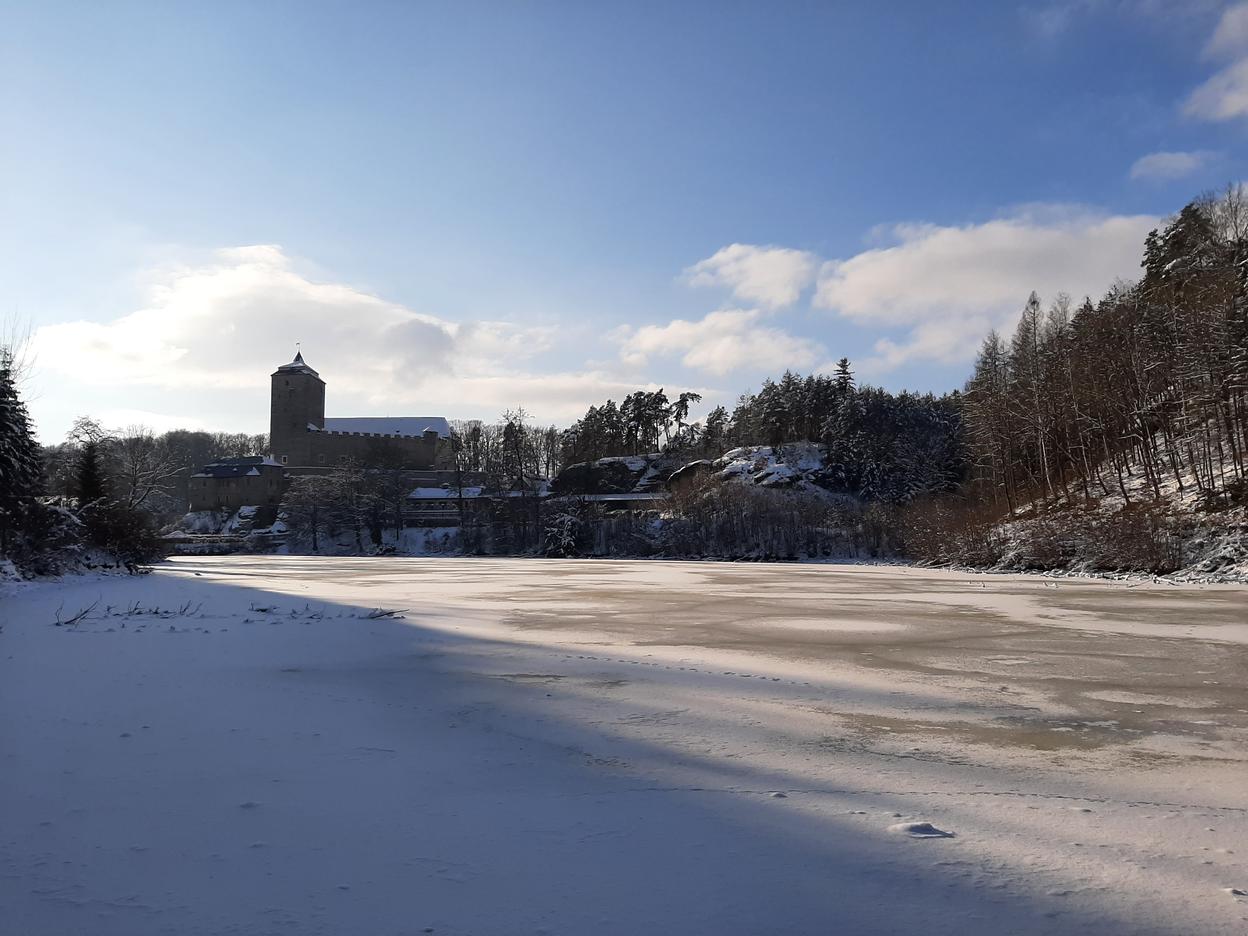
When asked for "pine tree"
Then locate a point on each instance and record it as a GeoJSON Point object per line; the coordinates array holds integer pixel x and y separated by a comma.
{"type": "Point", "coordinates": [21, 472]}
{"type": "Point", "coordinates": [92, 485]}
{"type": "Point", "coordinates": [844, 377]}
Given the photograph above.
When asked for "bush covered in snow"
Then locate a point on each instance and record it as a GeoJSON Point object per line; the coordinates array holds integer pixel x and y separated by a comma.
{"type": "Point", "coordinates": [562, 533]}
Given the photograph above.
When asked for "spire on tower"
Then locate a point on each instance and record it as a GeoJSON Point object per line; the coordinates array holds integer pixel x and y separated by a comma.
{"type": "Point", "coordinates": [298, 365]}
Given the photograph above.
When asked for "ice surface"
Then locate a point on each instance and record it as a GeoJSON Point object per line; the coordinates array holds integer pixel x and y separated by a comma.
{"type": "Point", "coordinates": [242, 745]}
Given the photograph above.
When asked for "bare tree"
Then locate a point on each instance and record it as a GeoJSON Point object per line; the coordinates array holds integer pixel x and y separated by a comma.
{"type": "Point", "coordinates": [141, 465]}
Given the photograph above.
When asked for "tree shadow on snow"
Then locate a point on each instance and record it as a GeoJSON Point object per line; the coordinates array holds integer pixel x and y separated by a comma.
{"type": "Point", "coordinates": [293, 765]}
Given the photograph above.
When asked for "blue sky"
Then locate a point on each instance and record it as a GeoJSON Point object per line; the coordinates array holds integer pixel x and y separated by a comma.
{"type": "Point", "coordinates": [461, 207]}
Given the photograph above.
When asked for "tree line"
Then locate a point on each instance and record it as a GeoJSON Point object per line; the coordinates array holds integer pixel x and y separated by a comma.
{"type": "Point", "coordinates": [98, 521]}
{"type": "Point", "coordinates": [142, 468]}
{"type": "Point", "coordinates": [504, 453]}
{"type": "Point", "coordinates": [1142, 391]}
{"type": "Point", "coordinates": [646, 421]}
{"type": "Point", "coordinates": [880, 446]}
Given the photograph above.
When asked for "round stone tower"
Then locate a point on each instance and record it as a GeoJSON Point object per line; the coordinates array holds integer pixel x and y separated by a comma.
{"type": "Point", "coordinates": [297, 404]}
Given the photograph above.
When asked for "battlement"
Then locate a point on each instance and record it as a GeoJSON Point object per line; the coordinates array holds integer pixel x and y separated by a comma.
{"type": "Point", "coordinates": [429, 435]}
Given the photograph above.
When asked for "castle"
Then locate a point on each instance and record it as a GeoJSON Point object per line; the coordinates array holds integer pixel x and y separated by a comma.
{"type": "Point", "coordinates": [300, 436]}
{"type": "Point", "coordinates": [303, 441]}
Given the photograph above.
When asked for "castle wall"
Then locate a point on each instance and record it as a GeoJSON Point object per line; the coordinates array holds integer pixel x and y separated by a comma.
{"type": "Point", "coordinates": [333, 448]}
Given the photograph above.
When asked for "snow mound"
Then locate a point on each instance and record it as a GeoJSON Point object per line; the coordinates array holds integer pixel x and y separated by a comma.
{"type": "Point", "coordinates": [201, 521]}
{"type": "Point", "coordinates": [919, 830]}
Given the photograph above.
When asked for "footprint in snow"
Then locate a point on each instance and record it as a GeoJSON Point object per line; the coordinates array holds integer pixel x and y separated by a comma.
{"type": "Point", "coordinates": [919, 830]}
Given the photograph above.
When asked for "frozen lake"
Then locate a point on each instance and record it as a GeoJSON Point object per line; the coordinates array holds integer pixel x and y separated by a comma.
{"type": "Point", "coordinates": [233, 746]}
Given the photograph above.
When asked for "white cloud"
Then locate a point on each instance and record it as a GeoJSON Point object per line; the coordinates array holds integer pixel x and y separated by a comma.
{"type": "Point", "coordinates": [224, 319]}
{"type": "Point", "coordinates": [125, 418]}
{"type": "Point", "coordinates": [228, 319]}
{"type": "Point", "coordinates": [773, 277]}
{"type": "Point", "coordinates": [1051, 19]}
{"type": "Point", "coordinates": [720, 342]}
{"type": "Point", "coordinates": [947, 285]}
{"type": "Point", "coordinates": [1230, 37]}
{"type": "Point", "coordinates": [951, 341]}
{"type": "Point", "coordinates": [1222, 97]}
{"type": "Point", "coordinates": [223, 323]}
{"type": "Point", "coordinates": [1170, 165]}
{"type": "Point", "coordinates": [1225, 95]}
{"type": "Point", "coordinates": [562, 397]}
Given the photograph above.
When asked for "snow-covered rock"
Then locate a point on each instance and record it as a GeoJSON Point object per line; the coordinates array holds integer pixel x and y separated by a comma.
{"type": "Point", "coordinates": [799, 466]}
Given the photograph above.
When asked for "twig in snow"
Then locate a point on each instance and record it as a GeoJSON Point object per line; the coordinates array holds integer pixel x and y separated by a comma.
{"type": "Point", "coordinates": [75, 619]}
{"type": "Point", "coordinates": [381, 613]}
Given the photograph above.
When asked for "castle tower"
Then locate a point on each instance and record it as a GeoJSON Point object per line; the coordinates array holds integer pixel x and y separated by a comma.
{"type": "Point", "coordinates": [297, 402]}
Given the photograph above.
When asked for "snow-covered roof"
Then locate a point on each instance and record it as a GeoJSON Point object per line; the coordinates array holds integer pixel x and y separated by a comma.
{"type": "Point", "coordinates": [441, 493]}
{"type": "Point", "coordinates": [452, 493]}
{"type": "Point", "coordinates": [236, 467]}
{"type": "Point", "coordinates": [633, 497]}
{"type": "Point", "coordinates": [389, 425]}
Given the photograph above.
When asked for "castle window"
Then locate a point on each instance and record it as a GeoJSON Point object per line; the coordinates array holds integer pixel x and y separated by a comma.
{"type": "Point", "coordinates": [283, 459]}
{"type": "Point", "coordinates": [320, 459]}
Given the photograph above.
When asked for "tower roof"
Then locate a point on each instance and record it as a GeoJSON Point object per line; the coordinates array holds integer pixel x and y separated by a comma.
{"type": "Point", "coordinates": [297, 366]}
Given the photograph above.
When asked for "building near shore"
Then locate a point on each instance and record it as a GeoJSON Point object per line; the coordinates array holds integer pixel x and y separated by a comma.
{"type": "Point", "coordinates": [300, 435]}
{"type": "Point", "coordinates": [302, 440]}
{"type": "Point", "coordinates": [231, 483]}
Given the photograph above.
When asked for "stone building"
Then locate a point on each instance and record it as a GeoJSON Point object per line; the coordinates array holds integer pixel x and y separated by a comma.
{"type": "Point", "coordinates": [237, 482]}
{"type": "Point", "coordinates": [300, 435]}
{"type": "Point", "coordinates": [302, 441]}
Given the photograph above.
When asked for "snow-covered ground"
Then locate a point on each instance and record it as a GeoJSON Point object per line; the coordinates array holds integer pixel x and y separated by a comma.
{"type": "Point", "coordinates": [233, 746]}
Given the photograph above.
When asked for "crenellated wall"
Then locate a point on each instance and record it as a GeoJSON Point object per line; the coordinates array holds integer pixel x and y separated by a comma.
{"type": "Point", "coordinates": [374, 450]}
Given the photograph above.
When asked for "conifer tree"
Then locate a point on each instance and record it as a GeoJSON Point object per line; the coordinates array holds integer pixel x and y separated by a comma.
{"type": "Point", "coordinates": [91, 483]}
{"type": "Point", "coordinates": [20, 467]}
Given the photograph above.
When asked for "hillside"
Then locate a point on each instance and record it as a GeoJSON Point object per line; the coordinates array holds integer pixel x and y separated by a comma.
{"type": "Point", "coordinates": [1173, 527]}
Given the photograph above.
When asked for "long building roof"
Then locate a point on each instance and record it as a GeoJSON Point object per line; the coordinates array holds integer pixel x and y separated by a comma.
{"type": "Point", "coordinates": [389, 425]}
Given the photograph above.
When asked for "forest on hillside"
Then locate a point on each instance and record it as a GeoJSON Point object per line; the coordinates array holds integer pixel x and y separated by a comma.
{"type": "Point", "coordinates": [879, 446]}
{"type": "Point", "coordinates": [1151, 378]}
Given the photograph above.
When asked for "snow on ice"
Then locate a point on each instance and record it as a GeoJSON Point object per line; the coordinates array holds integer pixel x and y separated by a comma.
{"type": "Point", "coordinates": [255, 745]}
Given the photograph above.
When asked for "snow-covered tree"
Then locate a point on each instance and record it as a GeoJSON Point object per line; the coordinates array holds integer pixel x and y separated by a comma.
{"type": "Point", "coordinates": [21, 474]}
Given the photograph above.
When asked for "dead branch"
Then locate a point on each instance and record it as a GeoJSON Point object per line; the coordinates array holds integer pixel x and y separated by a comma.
{"type": "Point", "coordinates": [75, 619]}
{"type": "Point", "coordinates": [377, 613]}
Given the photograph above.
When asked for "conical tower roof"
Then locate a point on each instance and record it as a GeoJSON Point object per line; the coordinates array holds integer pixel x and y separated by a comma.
{"type": "Point", "coordinates": [297, 366]}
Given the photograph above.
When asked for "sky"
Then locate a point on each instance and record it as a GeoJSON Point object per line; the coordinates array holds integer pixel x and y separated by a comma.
{"type": "Point", "coordinates": [460, 208]}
